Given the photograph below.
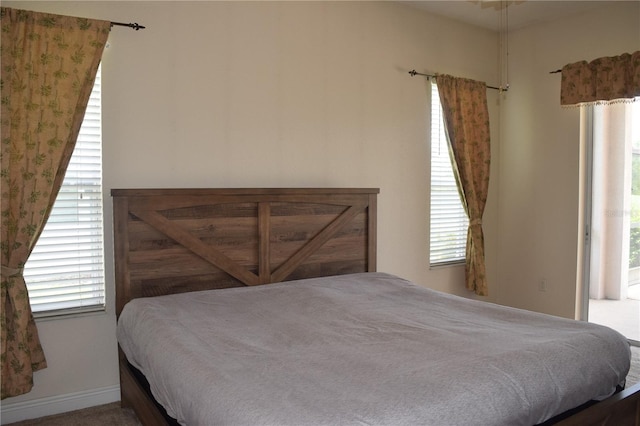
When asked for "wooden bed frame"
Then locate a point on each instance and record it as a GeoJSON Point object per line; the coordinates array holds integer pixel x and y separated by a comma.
{"type": "Point", "coordinates": [176, 240]}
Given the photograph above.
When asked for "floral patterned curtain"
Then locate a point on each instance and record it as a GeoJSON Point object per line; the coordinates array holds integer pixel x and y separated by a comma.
{"type": "Point", "coordinates": [49, 63]}
{"type": "Point", "coordinates": [603, 80]}
{"type": "Point", "coordinates": [466, 116]}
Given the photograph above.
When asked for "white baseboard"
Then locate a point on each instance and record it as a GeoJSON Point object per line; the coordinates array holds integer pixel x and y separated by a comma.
{"type": "Point", "coordinates": [19, 411]}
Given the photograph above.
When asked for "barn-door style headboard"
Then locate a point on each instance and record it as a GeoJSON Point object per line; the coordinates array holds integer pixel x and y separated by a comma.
{"type": "Point", "coordinates": [175, 240]}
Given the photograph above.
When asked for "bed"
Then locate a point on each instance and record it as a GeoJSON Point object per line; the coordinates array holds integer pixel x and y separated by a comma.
{"type": "Point", "coordinates": [204, 340]}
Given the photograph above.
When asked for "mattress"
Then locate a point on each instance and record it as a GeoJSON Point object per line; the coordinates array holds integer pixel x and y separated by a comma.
{"type": "Point", "coordinates": [366, 348]}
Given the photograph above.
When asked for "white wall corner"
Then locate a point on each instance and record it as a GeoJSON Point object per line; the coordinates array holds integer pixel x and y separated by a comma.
{"type": "Point", "coordinates": [10, 413]}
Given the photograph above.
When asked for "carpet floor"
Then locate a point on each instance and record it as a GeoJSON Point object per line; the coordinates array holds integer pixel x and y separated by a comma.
{"type": "Point", "coordinates": [102, 415]}
{"type": "Point", "coordinates": [113, 415]}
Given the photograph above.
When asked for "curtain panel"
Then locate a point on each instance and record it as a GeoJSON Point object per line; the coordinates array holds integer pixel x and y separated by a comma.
{"type": "Point", "coordinates": [49, 63]}
{"type": "Point", "coordinates": [604, 80]}
{"type": "Point", "coordinates": [466, 116]}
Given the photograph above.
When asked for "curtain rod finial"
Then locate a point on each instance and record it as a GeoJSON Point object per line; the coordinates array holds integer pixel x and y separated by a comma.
{"type": "Point", "coordinates": [135, 25]}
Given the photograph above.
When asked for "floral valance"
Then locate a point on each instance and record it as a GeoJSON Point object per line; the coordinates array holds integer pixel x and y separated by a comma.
{"type": "Point", "coordinates": [604, 80]}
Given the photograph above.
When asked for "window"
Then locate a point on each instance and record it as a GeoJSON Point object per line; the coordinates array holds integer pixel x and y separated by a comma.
{"type": "Point", "coordinates": [449, 221]}
{"type": "Point", "coordinates": [66, 268]}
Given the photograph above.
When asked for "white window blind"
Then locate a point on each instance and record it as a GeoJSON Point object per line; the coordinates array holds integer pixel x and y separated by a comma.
{"type": "Point", "coordinates": [449, 221]}
{"type": "Point", "coordinates": [66, 268]}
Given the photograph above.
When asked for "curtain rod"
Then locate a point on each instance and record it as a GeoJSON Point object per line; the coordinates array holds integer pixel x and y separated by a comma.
{"type": "Point", "coordinates": [414, 73]}
{"type": "Point", "coordinates": [135, 25]}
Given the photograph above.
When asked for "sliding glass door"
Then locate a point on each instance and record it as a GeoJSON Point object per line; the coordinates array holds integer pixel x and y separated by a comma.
{"type": "Point", "coordinates": [612, 217]}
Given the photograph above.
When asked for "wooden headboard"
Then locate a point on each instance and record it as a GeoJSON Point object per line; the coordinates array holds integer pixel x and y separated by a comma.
{"type": "Point", "coordinates": [176, 240]}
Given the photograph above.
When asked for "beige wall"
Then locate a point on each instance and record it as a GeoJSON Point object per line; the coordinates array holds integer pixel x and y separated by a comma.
{"type": "Point", "coordinates": [539, 202]}
{"type": "Point", "coordinates": [219, 94]}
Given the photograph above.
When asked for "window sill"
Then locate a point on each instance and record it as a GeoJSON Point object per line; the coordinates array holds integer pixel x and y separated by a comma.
{"type": "Point", "coordinates": [447, 264]}
{"type": "Point", "coordinates": [69, 313]}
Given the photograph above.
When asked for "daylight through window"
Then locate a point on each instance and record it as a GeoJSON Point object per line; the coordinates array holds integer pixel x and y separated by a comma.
{"type": "Point", "coordinates": [449, 222]}
{"type": "Point", "coordinates": [66, 268]}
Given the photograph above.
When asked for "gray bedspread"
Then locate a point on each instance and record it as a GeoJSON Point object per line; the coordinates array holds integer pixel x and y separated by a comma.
{"type": "Point", "coordinates": [363, 349]}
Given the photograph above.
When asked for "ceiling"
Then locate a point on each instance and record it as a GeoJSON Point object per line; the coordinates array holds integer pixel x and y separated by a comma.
{"type": "Point", "coordinates": [520, 13]}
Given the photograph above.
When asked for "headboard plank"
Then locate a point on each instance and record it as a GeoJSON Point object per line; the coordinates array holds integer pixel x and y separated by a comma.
{"type": "Point", "coordinates": [197, 246]}
{"type": "Point", "coordinates": [315, 243]}
{"type": "Point", "coordinates": [264, 231]}
{"type": "Point", "coordinates": [176, 240]}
